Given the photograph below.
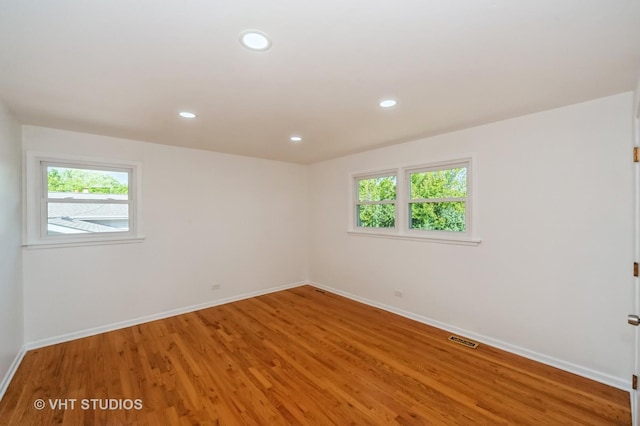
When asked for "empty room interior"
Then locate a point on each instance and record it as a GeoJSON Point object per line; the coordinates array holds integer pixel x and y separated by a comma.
{"type": "Point", "coordinates": [331, 213]}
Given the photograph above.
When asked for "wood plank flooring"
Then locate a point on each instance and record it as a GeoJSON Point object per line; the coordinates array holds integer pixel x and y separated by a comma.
{"type": "Point", "coordinates": [297, 357]}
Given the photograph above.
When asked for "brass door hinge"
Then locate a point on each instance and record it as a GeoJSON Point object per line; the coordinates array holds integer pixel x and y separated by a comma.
{"type": "Point", "coordinates": [636, 154]}
{"type": "Point", "coordinates": [634, 381]}
{"type": "Point", "coordinates": [636, 269]}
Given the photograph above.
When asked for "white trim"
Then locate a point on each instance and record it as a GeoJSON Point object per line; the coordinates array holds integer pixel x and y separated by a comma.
{"type": "Point", "coordinates": [526, 353]}
{"type": "Point", "coordinates": [635, 396]}
{"type": "Point", "coordinates": [153, 317]}
{"type": "Point", "coordinates": [375, 174]}
{"type": "Point", "coordinates": [355, 199]}
{"type": "Point", "coordinates": [457, 241]}
{"type": "Point", "coordinates": [467, 163]}
{"type": "Point", "coordinates": [6, 380]}
{"type": "Point", "coordinates": [57, 244]}
{"type": "Point", "coordinates": [34, 200]}
{"type": "Point", "coordinates": [401, 230]}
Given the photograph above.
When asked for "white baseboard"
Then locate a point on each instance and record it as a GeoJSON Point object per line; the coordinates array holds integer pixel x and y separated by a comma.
{"type": "Point", "coordinates": [4, 383]}
{"type": "Point", "coordinates": [148, 318]}
{"type": "Point", "coordinates": [526, 353]}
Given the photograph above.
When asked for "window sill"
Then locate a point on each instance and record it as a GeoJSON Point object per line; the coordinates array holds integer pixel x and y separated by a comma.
{"type": "Point", "coordinates": [79, 243]}
{"type": "Point", "coordinates": [426, 239]}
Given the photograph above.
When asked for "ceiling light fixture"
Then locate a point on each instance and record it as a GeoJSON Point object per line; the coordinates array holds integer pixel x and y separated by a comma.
{"type": "Point", "coordinates": [255, 40]}
{"type": "Point", "coordinates": [295, 138]}
{"type": "Point", "coordinates": [186, 114]}
{"type": "Point", "coordinates": [388, 103]}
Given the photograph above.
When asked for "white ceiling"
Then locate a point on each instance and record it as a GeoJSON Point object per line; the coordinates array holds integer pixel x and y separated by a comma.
{"type": "Point", "coordinates": [125, 68]}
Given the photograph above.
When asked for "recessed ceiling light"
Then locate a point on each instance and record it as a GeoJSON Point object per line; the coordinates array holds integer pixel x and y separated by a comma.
{"type": "Point", "coordinates": [295, 138]}
{"type": "Point", "coordinates": [255, 40]}
{"type": "Point", "coordinates": [186, 114]}
{"type": "Point", "coordinates": [388, 103]}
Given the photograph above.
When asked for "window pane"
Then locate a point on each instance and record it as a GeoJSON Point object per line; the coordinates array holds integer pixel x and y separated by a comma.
{"type": "Point", "coordinates": [445, 216]}
{"type": "Point", "coordinates": [377, 189]}
{"type": "Point", "coordinates": [376, 215]}
{"type": "Point", "coordinates": [83, 218]}
{"type": "Point", "coordinates": [439, 183]}
{"type": "Point", "coordinates": [84, 183]}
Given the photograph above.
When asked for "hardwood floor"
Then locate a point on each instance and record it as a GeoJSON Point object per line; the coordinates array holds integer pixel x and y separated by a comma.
{"type": "Point", "coordinates": [297, 357]}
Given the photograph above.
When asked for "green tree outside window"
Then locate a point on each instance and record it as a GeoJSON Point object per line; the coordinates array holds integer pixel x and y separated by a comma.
{"type": "Point", "coordinates": [438, 200]}
{"type": "Point", "coordinates": [80, 180]}
{"type": "Point", "coordinates": [376, 202]}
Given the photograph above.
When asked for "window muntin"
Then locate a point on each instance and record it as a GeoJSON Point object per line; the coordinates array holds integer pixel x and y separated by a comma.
{"type": "Point", "coordinates": [83, 200]}
{"type": "Point", "coordinates": [376, 201]}
{"type": "Point", "coordinates": [438, 198]}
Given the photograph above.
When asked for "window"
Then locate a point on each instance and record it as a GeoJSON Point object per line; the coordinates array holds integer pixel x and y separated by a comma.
{"type": "Point", "coordinates": [80, 201]}
{"type": "Point", "coordinates": [426, 202]}
{"type": "Point", "coordinates": [438, 198]}
{"type": "Point", "coordinates": [376, 201]}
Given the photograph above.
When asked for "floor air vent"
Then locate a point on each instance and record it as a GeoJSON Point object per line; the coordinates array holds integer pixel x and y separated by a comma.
{"type": "Point", "coordinates": [463, 342]}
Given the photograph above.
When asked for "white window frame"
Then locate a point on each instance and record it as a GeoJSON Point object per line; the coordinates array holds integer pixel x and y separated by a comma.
{"type": "Point", "coordinates": [467, 200]}
{"type": "Point", "coordinates": [403, 199]}
{"type": "Point", "coordinates": [356, 201]}
{"type": "Point", "coordinates": [36, 197]}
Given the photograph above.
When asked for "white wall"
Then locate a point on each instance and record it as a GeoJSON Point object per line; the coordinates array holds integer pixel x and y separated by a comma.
{"type": "Point", "coordinates": [11, 326]}
{"type": "Point", "coordinates": [208, 219]}
{"type": "Point", "coordinates": [555, 213]}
